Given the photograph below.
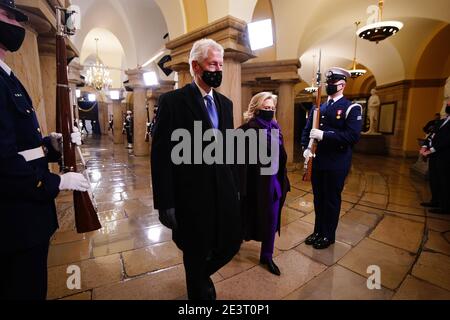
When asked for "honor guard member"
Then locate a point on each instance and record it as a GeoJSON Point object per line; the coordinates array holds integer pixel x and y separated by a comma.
{"type": "Point", "coordinates": [339, 129]}
{"type": "Point", "coordinates": [128, 127]}
{"type": "Point", "coordinates": [27, 187]}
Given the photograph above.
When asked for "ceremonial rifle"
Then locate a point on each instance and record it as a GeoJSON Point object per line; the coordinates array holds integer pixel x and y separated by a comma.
{"type": "Point", "coordinates": [315, 125]}
{"type": "Point", "coordinates": [86, 218]}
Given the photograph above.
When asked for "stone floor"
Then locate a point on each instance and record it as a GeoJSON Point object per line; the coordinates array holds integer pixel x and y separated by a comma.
{"type": "Point", "coordinates": [381, 224]}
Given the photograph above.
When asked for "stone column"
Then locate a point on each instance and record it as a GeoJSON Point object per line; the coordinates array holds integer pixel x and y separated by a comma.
{"type": "Point", "coordinates": [47, 59]}
{"type": "Point", "coordinates": [184, 74]}
{"type": "Point", "coordinates": [118, 123]}
{"type": "Point", "coordinates": [140, 146]}
{"type": "Point", "coordinates": [103, 117]}
{"type": "Point", "coordinates": [231, 33]}
{"type": "Point", "coordinates": [246, 97]}
{"type": "Point", "coordinates": [285, 116]}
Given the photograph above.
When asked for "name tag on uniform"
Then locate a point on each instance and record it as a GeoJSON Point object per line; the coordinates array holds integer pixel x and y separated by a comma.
{"type": "Point", "coordinates": [338, 114]}
{"type": "Point", "coordinates": [359, 118]}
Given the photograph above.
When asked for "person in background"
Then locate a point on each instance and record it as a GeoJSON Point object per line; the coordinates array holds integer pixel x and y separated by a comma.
{"type": "Point", "coordinates": [430, 126]}
{"type": "Point", "coordinates": [439, 148]}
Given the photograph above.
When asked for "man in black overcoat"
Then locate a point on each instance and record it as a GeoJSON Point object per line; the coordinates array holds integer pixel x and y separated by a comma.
{"type": "Point", "coordinates": [198, 201]}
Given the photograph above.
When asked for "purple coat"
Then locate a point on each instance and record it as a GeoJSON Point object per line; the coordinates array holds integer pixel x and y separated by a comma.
{"type": "Point", "coordinates": [258, 192]}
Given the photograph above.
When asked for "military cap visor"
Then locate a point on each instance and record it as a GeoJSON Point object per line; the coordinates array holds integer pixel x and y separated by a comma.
{"type": "Point", "coordinates": [336, 74]}
{"type": "Point", "coordinates": [10, 6]}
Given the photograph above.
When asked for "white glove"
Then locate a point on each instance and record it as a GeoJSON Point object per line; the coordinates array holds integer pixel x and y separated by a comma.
{"type": "Point", "coordinates": [307, 154]}
{"type": "Point", "coordinates": [316, 134]}
{"type": "Point", "coordinates": [74, 181]}
{"type": "Point", "coordinates": [76, 136]}
{"type": "Point", "coordinates": [56, 140]}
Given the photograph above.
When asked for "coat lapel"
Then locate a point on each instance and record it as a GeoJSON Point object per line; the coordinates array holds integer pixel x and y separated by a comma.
{"type": "Point", "coordinates": [197, 106]}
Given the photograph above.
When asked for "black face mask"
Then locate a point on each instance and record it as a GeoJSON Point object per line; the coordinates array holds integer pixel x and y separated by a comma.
{"type": "Point", "coordinates": [11, 36]}
{"type": "Point", "coordinates": [266, 114]}
{"type": "Point", "coordinates": [212, 78]}
{"type": "Point", "coordinates": [332, 89]}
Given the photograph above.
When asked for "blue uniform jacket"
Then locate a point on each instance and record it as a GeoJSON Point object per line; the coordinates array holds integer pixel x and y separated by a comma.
{"type": "Point", "coordinates": [27, 189]}
{"type": "Point", "coordinates": [341, 123]}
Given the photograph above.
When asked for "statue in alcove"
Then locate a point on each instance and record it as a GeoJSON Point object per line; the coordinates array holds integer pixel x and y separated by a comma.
{"type": "Point", "coordinates": [373, 107]}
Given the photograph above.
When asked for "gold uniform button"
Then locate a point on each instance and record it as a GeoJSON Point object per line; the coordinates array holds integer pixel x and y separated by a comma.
{"type": "Point", "coordinates": [28, 111]}
{"type": "Point", "coordinates": [39, 184]}
{"type": "Point", "coordinates": [38, 130]}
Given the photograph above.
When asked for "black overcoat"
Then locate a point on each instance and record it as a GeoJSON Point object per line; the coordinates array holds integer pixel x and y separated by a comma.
{"type": "Point", "coordinates": [205, 196]}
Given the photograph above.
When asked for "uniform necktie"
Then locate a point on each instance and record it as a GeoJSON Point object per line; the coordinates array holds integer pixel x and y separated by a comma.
{"type": "Point", "coordinates": [212, 111]}
{"type": "Point", "coordinates": [330, 103]}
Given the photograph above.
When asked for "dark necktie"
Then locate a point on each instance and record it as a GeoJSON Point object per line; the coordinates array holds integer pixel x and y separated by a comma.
{"type": "Point", "coordinates": [212, 111]}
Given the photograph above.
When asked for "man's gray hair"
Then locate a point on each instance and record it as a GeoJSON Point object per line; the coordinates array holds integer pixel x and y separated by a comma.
{"type": "Point", "coordinates": [199, 51]}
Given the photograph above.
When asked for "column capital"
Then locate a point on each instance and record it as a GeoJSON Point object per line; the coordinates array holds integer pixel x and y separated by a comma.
{"type": "Point", "coordinates": [281, 71]}
{"type": "Point", "coordinates": [136, 78]}
{"type": "Point", "coordinates": [228, 31]}
{"type": "Point", "coordinates": [163, 87]}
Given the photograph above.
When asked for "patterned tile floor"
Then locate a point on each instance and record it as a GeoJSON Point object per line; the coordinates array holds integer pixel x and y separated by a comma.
{"type": "Point", "coordinates": [381, 224]}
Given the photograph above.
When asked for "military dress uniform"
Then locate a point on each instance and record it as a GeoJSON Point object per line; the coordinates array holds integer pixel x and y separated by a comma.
{"type": "Point", "coordinates": [27, 193]}
{"type": "Point", "coordinates": [341, 122]}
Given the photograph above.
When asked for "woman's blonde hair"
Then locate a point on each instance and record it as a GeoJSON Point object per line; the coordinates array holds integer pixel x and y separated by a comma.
{"type": "Point", "coordinates": [257, 100]}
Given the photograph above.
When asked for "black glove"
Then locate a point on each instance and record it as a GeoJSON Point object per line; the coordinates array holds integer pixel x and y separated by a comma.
{"type": "Point", "coordinates": [168, 219]}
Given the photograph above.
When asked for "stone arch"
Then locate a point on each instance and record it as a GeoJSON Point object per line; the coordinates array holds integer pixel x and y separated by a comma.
{"type": "Point", "coordinates": [264, 10]}
{"type": "Point", "coordinates": [175, 16]}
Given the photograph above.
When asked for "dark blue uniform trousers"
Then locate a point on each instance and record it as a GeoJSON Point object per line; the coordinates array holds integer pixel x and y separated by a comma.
{"type": "Point", "coordinates": [24, 274]}
{"type": "Point", "coordinates": [327, 187]}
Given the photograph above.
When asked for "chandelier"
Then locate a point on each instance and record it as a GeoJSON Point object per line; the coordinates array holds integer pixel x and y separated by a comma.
{"type": "Point", "coordinates": [355, 73]}
{"type": "Point", "coordinates": [379, 30]}
{"type": "Point", "coordinates": [97, 76]}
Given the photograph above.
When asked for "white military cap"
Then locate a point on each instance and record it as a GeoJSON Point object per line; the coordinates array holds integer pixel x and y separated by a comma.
{"type": "Point", "coordinates": [334, 74]}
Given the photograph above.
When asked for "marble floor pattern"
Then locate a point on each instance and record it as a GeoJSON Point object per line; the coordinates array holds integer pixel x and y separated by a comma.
{"type": "Point", "coordinates": [133, 257]}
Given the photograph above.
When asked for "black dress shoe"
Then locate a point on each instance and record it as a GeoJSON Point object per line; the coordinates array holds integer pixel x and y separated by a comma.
{"type": "Point", "coordinates": [312, 238]}
{"type": "Point", "coordinates": [322, 243]}
{"type": "Point", "coordinates": [430, 204]}
{"type": "Point", "coordinates": [438, 211]}
{"type": "Point", "coordinates": [271, 266]}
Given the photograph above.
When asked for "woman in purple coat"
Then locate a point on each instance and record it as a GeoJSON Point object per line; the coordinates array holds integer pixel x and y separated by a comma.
{"type": "Point", "coordinates": [262, 195]}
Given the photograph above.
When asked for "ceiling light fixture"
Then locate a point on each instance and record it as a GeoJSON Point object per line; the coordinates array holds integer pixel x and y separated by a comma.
{"type": "Point", "coordinates": [97, 76]}
{"type": "Point", "coordinates": [355, 73]}
{"type": "Point", "coordinates": [379, 30]}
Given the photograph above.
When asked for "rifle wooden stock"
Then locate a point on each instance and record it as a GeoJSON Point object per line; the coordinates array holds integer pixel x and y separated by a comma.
{"type": "Point", "coordinates": [308, 166]}
{"type": "Point", "coordinates": [86, 218]}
